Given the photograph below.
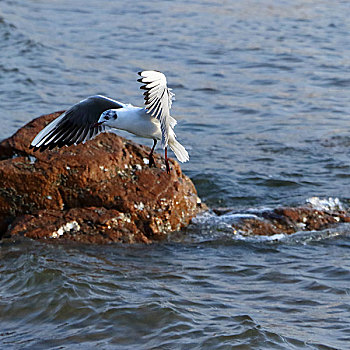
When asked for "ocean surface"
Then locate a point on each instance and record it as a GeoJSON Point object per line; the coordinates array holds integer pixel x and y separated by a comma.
{"type": "Point", "coordinates": [262, 103]}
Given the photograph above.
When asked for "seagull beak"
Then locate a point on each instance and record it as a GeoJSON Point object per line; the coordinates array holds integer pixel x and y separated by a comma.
{"type": "Point", "coordinates": [97, 124]}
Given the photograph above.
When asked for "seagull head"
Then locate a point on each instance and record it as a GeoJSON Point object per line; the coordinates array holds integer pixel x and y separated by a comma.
{"type": "Point", "coordinates": [107, 118]}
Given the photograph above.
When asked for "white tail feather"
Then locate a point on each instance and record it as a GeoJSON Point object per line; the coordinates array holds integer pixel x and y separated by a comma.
{"type": "Point", "coordinates": [179, 150]}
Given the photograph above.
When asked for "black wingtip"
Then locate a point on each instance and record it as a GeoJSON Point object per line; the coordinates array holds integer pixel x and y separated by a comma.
{"type": "Point", "coordinates": [140, 80]}
{"type": "Point", "coordinates": [140, 72]}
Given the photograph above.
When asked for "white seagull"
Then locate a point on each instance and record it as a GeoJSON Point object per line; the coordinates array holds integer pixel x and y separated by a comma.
{"type": "Point", "coordinates": [91, 116]}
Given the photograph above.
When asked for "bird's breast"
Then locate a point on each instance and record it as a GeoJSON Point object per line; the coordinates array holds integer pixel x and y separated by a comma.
{"type": "Point", "coordinates": [138, 122]}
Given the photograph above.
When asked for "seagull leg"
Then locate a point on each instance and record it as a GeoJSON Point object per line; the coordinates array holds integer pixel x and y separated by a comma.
{"type": "Point", "coordinates": [166, 160]}
{"type": "Point", "coordinates": [150, 157]}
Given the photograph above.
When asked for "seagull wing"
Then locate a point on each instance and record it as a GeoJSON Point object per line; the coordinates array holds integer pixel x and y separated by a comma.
{"type": "Point", "coordinates": [158, 100]}
{"type": "Point", "coordinates": [76, 125]}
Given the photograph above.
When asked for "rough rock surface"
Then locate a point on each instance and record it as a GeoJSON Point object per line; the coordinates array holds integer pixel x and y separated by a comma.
{"type": "Point", "coordinates": [102, 191]}
{"type": "Point", "coordinates": [288, 220]}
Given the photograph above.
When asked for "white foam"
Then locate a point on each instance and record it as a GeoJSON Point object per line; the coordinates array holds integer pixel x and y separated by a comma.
{"type": "Point", "coordinates": [325, 204]}
{"type": "Point", "coordinates": [300, 237]}
{"type": "Point", "coordinates": [257, 238]}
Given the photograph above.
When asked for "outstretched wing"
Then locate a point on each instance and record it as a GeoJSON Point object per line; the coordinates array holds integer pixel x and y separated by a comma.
{"type": "Point", "coordinates": [76, 125]}
{"type": "Point", "coordinates": [158, 99]}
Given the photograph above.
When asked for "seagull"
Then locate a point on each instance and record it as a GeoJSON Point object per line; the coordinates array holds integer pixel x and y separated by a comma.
{"type": "Point", "coordinates": [96, 114]}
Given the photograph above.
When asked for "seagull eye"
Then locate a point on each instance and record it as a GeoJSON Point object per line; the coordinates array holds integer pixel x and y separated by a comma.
{"type": "Point", "coordinates": [107, 117]}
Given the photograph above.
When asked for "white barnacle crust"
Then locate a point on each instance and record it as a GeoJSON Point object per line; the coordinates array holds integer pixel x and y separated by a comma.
{"type": "Point", "coordinates": [139, 206]}
{"type": "Point", "coordinates": [32, 159]}
{"type": "Point", "coordinates": [71, 226]}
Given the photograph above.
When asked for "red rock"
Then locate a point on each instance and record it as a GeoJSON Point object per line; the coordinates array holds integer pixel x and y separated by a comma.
{"type": "Point", "coordinates": [107, 173]}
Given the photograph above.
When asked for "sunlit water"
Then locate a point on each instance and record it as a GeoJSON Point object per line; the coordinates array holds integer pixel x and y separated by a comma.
{"type": "Point", "coordinates": [262, 91]}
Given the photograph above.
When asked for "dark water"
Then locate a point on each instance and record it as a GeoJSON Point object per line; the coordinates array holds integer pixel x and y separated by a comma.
{"type": "Point", "coordinates": [262, 93]}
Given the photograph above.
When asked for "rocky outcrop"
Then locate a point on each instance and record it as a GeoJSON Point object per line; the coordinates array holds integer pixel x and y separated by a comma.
{"type": "Point", "coordinates": [102, 191]}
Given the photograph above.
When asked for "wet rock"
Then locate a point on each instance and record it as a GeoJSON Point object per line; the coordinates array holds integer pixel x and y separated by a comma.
{"type": "Point", "coordinates": [87, 225]}
{"type": "Point", "coordinates": [289, 220]}
{"type": "Point", "coordinates": [90, 184]}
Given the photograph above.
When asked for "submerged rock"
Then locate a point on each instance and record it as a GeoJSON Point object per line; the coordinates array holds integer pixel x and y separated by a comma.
{"type": "Point", "coordinates": [287, 220]}
{"type": "Point", "coordinates": [100, 192]}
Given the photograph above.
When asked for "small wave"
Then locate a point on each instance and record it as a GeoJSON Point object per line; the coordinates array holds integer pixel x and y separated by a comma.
{"type": "Point", "coordinates": [197, 62]}
{"type": "Point", "coordinates": [246, 111]}
{"type": "Point", "coordinates": [12, 37]}
{"type": "Point", "coordinates": [269, 66]}
{"type": "Point", "coordinates": [337, 82]}
{"type": "Point", "coordinates": [5, 24]}
{"type": "Point", "coordinates": [337, 141]}
{"type": "Point", "coordinates": [206, 89]}
{"type": "Point", "coordinates": [5, 69]}
{"type": "Point", "coordinates": [279, 183]}
{"type": "Point", "coordinates": [300, 237]}
{"type": "Point", "coordinates": [264, 82]}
